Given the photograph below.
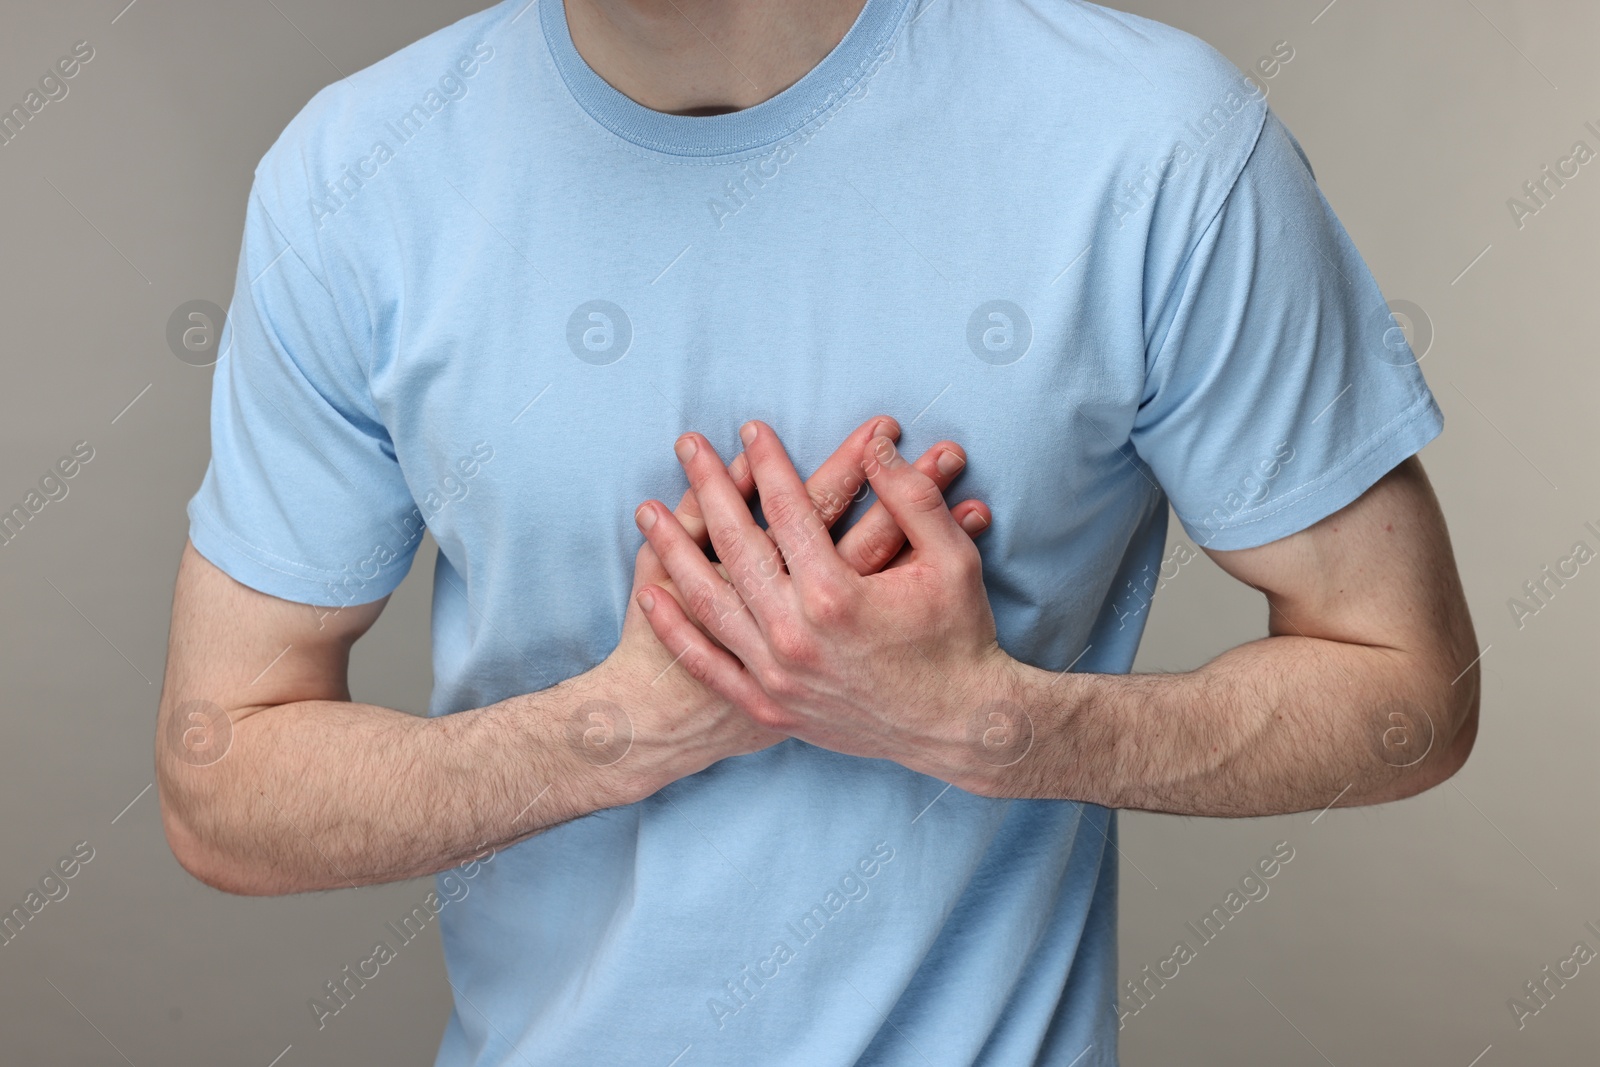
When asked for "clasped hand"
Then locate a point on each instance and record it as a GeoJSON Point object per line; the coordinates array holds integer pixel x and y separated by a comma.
{"type": "Point", "coordinates": [899, 664]}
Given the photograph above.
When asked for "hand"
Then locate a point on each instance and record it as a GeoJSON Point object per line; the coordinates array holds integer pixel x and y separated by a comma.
{"type": "Point", "coordinates": [690, 726]}
{"type": "Point", "coordinates": [900, 664]}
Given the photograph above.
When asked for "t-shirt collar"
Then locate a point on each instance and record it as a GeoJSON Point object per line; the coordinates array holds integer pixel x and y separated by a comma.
{"type": "Point", "coordinates": [860, 52]}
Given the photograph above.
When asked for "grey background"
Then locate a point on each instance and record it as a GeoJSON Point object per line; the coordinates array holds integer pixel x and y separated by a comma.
{"type": "Point", "coordinates": [1395, 935]}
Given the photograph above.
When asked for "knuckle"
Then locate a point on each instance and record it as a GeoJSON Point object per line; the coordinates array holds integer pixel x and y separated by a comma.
{"type": "Point", "coordinates": [698, 666]}
{"type": "Point", "coordinates": [879, 543]}
{"type": "Point", "coordinates": [771, 565]}
{"type": "Point", "coordinates": [828, 502]}
{"type": "Point", "coordinates": [720, 625]}
{"type": "Point", "coordinates": [784, 510]}
{"type": "Point", "coordinates": [778, 684]}
{"type": "Point", "coordinates": [790, 645]}
{"type": "Point", "coordinates": [825, 604]}
{"type": "Point", "coordinates": [723, 532]}
{"type": "Point", "coordinates": [931, 585]}
{"type": "Point", "coordinates": [749, 587]}
{"type": "Point", "coordinates": [967, 564]}
{"type": "Point", "coordinates": [923, 495]}
{"type": "Point", "coordinates": [770, 716]}
{"type": "Point", "coordinates": [702, 602]}
{"type": "Point", "coordinates": [733, 555]}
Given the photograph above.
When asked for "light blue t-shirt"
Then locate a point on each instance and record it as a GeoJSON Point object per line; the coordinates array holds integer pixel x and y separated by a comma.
{"type": "Point", "coordinates": [482, 290]}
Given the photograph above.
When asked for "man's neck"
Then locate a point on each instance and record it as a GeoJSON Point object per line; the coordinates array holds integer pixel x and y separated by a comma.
{"type": "Point", "coordinates": [706, 57]}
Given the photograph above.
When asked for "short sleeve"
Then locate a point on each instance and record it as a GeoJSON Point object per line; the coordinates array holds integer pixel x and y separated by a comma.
{"type": "Point", "coordinates": [303, 498]}
{"type": "Point", "coordinates": [1280, 386]}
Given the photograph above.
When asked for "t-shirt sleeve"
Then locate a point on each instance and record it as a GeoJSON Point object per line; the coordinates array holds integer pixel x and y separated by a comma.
{"type": "Point", "coordinates": [1279, 385]}
{"type": "Point", "coordinates": [304, 498]}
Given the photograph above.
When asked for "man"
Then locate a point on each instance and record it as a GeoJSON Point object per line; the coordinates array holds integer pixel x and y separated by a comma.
{"type": "Point", "coordinates": [809, 803]}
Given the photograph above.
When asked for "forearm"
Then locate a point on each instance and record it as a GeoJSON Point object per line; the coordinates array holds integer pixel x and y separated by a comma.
{"type": "Point", "coordinates": [1282, 724]}
{"type": "Point", "coordinates": [322, 794]}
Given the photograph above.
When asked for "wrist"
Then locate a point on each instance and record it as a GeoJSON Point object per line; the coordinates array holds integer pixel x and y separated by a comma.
{"type": "Point", "coordinates": [671, 725]}
{"type": "Point", "coordinates": [607, 731]}
{"type": "Point", "coordinates": [1043, 755]}
{"type": "Point", "coordinates": [995, 727]}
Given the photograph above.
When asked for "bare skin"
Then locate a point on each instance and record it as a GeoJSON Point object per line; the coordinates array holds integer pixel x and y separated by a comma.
{"type": "Point", "coordinates": [316, 791]}
{"type": "Point", "coordinates": [706, 57]}
{"type": "Point", "coordinates": [1365, 691]}
{"type": "Point", "coordinates": [1366, 688]}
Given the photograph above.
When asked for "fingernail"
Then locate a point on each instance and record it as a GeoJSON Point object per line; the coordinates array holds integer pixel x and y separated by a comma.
{"type": "Point", "coordinates": [738, 468]}
{"type": "Point", "coordinates": [883, 448]}
{"type": "Point", "coordinates": [974, 523]}
{"type": "Point", "coordinates": [647, 600]}
{"type": "Point", "coordinates": [884, 428]}
{"type": "Point", "coordinates": [949, 462]}
{"type": "Point", "coordinates": [645, 517]}
{"type": "Point", "coordinates": [747, 433]}
{"type": "Point", "coordinates": [685, 448]}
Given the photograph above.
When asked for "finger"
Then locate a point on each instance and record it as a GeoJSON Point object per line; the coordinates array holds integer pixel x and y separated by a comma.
{"type": "Point", "coordinates": [792, 520]}
{"type": "Point", "coordinates": [647, 570]}
{"type": "Point", "coordinates": [971, 515]}
{"type": "Point", "coordinates": [872, 542]}
{"type": "Point", "coordinates": [689, 512]}
{"type": "Point", "coordinates": [713, 667]}
{"type": "Point", "coordinates": [710, 599]}
{"type": "Point", "coordinates": [743, 547]}
{"type": "Point", "coordinates": [833, 485]}
{"type": "Point", "coordinates": [913, 500]}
